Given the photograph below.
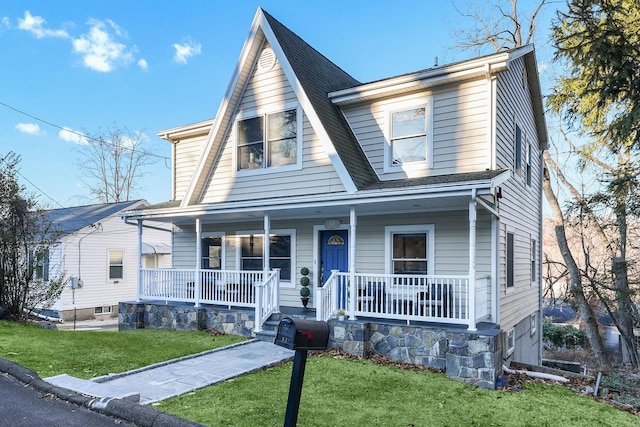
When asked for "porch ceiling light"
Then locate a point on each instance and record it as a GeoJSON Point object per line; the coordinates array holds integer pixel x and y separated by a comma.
{"type": "Point", "coordinates": [332, 223]}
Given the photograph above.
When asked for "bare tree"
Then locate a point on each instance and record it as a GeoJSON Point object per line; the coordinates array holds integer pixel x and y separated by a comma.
{"type": "Point", "coordinates": [501, 27]}
{"type": "Point", "coordinates": [113, 161]}
{"type": "Point", "coordinates": [497, 25]}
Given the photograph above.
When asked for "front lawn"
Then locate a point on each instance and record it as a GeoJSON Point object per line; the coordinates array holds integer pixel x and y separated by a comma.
{"type": "Point", "coordinates": [339, 392]}
{"type": "Point", "coordinates": [89, 354]}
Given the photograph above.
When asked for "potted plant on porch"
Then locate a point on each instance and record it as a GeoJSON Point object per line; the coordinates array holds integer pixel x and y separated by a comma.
{"type": "Point", "coordinates": [304, 282]}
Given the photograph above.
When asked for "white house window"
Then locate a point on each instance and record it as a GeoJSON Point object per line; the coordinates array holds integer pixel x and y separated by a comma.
{"type": "Point", "coordinates": [102, 310]}
{"type": "Point", "coordinates": [411, 249]}
{"type": "Point", "coordinates": [511, 341]}
{"type": "Point", "coordinates": [409, 136]}
{"type": "Point", "coordinates": [277, 146]}
{"type": "Point", "coordinates": [211, 248]}
{"type": "Point", "coordinates": [534, 322]}
{"type": "Point", "coordinates": [116, 264]}
{"type": "Point", "coordinates": [280, 253]}
{"type": "Point", "coordinates": [41, 264]}
{"type": "Point", "coordinates": [533, 261]}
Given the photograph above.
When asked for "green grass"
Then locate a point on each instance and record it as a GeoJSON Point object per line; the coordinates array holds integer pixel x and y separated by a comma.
{"type": "Point", "coordinates": [335, 392]}
{"type": "Point", "coordinates": [359, 393]}
{"type": "Point", "coordinates": [88, 354]}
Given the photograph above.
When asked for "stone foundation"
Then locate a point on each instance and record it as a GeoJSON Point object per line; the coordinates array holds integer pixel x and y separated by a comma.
{"type": "Point", "coordinates": [185, 317]}
{"type": "Point", "coordinates": [471, 357]}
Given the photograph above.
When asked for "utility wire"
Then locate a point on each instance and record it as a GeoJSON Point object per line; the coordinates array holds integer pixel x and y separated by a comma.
{"type": "Point", "coordinates": [80, 134]}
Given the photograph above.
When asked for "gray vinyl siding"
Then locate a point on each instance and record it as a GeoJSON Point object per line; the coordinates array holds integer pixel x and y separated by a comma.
{"type": "Point", "coordinates": [271, 91]}
{"type": "Point", "coordinates": [451, 245]}
{"type": "Point", "coordinates": [521, 205]}
{"type": "Point", "coordinates": [460, 123]}
{"type": "Point", "coordinates": [187, 156]}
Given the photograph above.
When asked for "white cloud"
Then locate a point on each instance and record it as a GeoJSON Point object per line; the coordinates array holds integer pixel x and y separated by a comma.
{"type": "Point", "coordinates": [5, 22]}
{"type": "Point", "coordinates": [142, 63]}
{"type": "Point", "coordinates": [70, 135]}
{"type": "Point", "coordinates": [99, 48]}
{"type": "Point", "coordinates": [30, 128]}
{"type": "Point", "coordinates": [185, 51]}
{"type": "Point", "coordinates": [35, 25]}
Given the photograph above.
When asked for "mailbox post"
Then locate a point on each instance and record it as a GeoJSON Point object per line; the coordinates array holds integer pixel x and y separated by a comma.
{"type": "Point", "coordinates": [300, 335]}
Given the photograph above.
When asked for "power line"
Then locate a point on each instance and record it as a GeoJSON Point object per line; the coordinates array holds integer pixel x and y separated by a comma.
{"type": "Point", "coordinates": [80, 134]}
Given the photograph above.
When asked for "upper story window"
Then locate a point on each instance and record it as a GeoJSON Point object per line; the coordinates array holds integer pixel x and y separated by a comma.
{"type": "Point", "coordinates": [268, 140]}
{"type": "Point", "coordinates": [518, 149]}
{"type": "Point", "coordinates": [408, 136]}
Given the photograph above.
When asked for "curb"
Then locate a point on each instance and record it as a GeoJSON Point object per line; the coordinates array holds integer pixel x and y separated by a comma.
{"type": "Point", "coordinates": [141, 416]}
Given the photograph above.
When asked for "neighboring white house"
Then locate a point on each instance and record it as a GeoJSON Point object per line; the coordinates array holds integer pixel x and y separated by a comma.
{"type": "Point", "coordinates": [413, 198]}
{"type": "Point", "coordinates": [98, 253]}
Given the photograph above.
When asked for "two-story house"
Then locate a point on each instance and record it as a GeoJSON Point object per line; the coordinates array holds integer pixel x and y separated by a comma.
{"type": "Point", "coordinates": [98, 254]}
{"type": "Point", "coordinates": [414, 202]}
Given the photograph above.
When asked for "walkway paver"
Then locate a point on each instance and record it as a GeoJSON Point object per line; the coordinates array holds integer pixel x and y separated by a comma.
{"type": "Point", "coordinates": [173, 378]}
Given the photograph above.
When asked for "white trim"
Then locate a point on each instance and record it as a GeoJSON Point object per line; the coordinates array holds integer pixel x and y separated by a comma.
{"type": "Point", "coordinates": [511, 341]}
{"type": "Point", "coordinates": [389, 230]}
{"type": "Point", "coordinates": [413, 169]}
{"type": "Point", "coordinates": [274, 232]}
{"type": "Point", "coordinates": [533, 319]}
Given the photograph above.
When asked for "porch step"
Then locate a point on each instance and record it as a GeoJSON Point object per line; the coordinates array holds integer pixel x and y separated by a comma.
{"type": "Point", "coordinates": [266, 335]}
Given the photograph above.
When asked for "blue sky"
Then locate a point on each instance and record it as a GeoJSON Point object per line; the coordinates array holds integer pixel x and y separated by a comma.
{"type": "Point", "coordinates": [149, 65]}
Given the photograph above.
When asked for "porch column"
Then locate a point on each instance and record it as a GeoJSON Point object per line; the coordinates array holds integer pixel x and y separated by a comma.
{"type": "Point", "coordinates": [138, 298]}
{"type": "Point", "coordinates": [198, 282]}
{"type": "Point", "coordinates": [265, 246]}
{"type": "Point", "coordinates": [352, 264]}
{"type": "Point", "coordinates": [472, 261]}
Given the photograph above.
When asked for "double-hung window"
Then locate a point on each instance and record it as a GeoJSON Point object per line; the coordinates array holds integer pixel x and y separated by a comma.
{"type": "Point", "coordinates": [268, 140]}
{"type": "Point", "coordinates": [281, 250]}
{"type": "Point", "coordinates": [408, 136]}
{"type": "Point", "coordinates": [511, 260]}
{"type": "Point", "coordinates": [40, 259]}
{"type": "Point", "coordinates": [116, 264]}
{"type": "Point", "coordinates": [410, 249]}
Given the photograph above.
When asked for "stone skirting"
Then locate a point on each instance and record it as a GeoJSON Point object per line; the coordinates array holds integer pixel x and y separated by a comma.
{"type": "Point", "coordinates": [185, 317]}
{"type": "Point", "coordinates": [471, 357]}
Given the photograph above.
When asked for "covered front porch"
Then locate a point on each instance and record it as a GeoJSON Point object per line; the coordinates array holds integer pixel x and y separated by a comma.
{"type": "Point", "coordinates": [451, 300]}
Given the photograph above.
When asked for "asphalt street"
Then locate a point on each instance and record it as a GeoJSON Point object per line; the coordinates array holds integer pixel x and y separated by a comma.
{"type": "Point", "coordinates": [24, 406]}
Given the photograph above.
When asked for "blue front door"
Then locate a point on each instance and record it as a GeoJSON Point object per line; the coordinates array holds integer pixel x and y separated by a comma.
{"type": "Point", "coordinates": [334, 255]}
{"type": "Point", "coordinates": [334, 252]}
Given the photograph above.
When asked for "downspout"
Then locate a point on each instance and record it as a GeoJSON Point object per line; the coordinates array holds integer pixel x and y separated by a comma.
{"type": "Point", "coordinates": [151, 227]}
{"type": "Point", "coordinates": [352, 263]}
{"type": "Point", "coordinates": [97, 227]}
{"type": "Point", "coordinates": [472, 261]}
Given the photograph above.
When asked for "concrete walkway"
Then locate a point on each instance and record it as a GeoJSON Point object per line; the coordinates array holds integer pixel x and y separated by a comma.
{"type": "Point", "coordinates": [175, 377]}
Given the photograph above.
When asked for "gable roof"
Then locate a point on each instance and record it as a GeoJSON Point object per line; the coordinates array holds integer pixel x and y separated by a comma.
{"type": "Point", "coordinates": [72, 219]}
{"type": "Point", "coordinates": [322, 88]}
{"type": "Point", "coordinates": [311, 76]}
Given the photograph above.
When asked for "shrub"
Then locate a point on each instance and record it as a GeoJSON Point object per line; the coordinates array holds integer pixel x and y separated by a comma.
{"type": "Point", "coordinates": [305, 292]}
{"type": "Point", "coordinates": [565, 336]}
{"type": "Point", "coordinates": [304, 281]}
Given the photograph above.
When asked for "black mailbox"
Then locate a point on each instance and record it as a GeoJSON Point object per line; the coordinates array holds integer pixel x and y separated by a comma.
{"type": "Point", "coordinates": [301, 334]}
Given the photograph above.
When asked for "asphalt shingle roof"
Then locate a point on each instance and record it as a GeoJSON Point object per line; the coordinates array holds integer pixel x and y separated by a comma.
{"type": "Point", "coordinates": [69, 220]}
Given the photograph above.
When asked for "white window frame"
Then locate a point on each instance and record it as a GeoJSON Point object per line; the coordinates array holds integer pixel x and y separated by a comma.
{"type": "Point", "coordinates": [527, 163]}
{"type": "Point", "coordinates": [506, 260]}
{"type": "Point", "coordinates": [274, 232]}
{"type": "Point", "coordinates": [223, 251]}
{"type": "Point", "coordinates": [412, 169]}
{"type": "Point", "coordinates": [511, 341]}
{"type": "Point", "coordinates": [116, 279]}
{"type": "Point", "coordinates": [390, 230]}
{"type": "Point", "coordinates": [102, 310]}
{"type": "Point", "coordinates": [533, 265]}
{"type": "Point", "coordinates": [534, 322]}
{"type": "Point", "coordinates": [518, 145]}
{"type": "Point", "coordinates": [265, 169]}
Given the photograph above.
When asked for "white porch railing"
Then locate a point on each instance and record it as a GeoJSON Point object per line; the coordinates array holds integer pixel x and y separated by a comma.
{"type": "Point", "coordinates": [432, 298]}
{"type": "Point", "coordinates": [267, 298]}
